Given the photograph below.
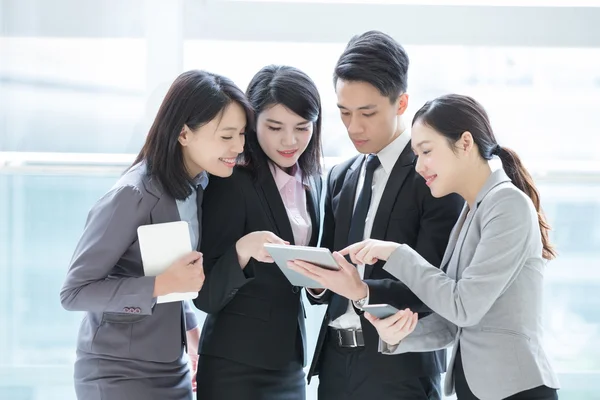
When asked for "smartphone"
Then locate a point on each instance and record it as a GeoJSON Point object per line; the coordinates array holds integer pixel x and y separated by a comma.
{"type": "Point", "coordinates": [380, 310]}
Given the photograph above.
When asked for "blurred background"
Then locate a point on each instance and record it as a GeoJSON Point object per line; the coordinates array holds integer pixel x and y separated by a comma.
{"type": "Point", "coordinates": [81, 80]}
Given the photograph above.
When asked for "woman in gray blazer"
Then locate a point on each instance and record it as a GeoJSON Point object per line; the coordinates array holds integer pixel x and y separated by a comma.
{"type": "Point", "coordinates": [487, 297]}
{"type": "Point", "coordinates": [128, 346]}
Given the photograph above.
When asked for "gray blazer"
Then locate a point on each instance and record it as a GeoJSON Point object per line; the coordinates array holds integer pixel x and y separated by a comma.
{"type": "Point", "coordinates": [106, 278]}
{"type": "Point", "coordinates": [487, 297]}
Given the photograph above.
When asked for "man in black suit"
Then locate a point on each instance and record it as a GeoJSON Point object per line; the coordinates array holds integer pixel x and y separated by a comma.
{"type": "Point", "coordinates": [376, 194]}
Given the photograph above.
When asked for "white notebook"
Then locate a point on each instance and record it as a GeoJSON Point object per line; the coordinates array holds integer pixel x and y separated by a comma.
{"type": "Point", "coordinates": [160, 246]}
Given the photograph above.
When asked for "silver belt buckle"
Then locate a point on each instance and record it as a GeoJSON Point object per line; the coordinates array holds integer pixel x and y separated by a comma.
{"type": "Point", "coordinates": [354, 340]}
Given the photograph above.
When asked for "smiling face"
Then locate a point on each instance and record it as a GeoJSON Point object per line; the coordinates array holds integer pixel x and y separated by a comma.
{"type": "Point", "coordinates": [371, 119]}
{"type": "Point", "coordinates": [214, 146]}
{"type": "Point", "coordinates": [283, 135]}
{"type": "Point", "coordinates": [443, 168]}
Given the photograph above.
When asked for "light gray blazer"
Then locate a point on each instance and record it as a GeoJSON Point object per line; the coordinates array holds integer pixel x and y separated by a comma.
{"type": "Point", "coordinates": [106, 278]}
{"type": "Point", "coordinates": [487, 297]}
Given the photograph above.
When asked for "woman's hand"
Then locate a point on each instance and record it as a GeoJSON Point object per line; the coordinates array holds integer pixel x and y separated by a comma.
{"type": "Point", "coordinates": [396, 327]}
{"type": "Point", "coordinates": [184, 275]}
{"type": "Point", "coordinates": [370, 251]}
{"type": "Point", "coordinates": [253, 246]}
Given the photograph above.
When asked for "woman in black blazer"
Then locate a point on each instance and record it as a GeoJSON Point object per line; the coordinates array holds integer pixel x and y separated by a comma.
{"type": "Point", "coordinates": [253, 344]}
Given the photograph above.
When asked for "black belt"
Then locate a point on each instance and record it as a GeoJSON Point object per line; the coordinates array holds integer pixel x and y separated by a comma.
{"type": "Point", "coordinates": [347, 337]}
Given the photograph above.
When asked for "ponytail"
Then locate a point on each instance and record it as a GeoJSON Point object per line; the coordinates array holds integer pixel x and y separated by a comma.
{"type": "Point", "coordinates": [452, 115]}
{"type": "Point", "coordinates": [522, 179]}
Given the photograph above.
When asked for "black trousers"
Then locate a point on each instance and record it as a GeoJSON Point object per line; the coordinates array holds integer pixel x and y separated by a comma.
{"type": "Point", "coordinates": [347, 374]}
{"type": "Point", "coordinates": [463, 392]}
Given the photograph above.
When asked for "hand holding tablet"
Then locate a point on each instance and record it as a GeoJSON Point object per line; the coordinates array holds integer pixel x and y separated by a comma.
{"type": "Point", "coordinates": [391, 328]}
{"type": "Point", "coordinates": [318, 256]}
{"type": "Point", "coordinates": [318, 268]}
{"type": "Point", "coordinates": [166, 248]}
{"type": "Point", "coordinates": [380, 310]}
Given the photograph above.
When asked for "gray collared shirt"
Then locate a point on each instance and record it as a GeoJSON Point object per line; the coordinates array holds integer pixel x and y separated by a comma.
{"type": "Point", "coordinates": [188, 208]}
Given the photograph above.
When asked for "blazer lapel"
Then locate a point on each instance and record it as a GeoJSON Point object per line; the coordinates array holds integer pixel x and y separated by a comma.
{"type": "Point", "coordinates": [496, 178]}
{"type": "Point", "coordinates": [345, 207]}
{"type": "Point", "coordinates": [404, 165]}
{"type": "Point", "coordinates": [312, 201]}
{"type": "Point", "coordinates": [166, 207]}
{"type": "Point", "coordinates": [453, 238]}
{"type": "Point", "coordinates": [273, 204]}
{"type": "Point", "coordinates": [452, 267]}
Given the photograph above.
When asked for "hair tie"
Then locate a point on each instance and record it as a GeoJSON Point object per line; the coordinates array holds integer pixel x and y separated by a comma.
{"type": "Point", "coordinates": [496, 150]}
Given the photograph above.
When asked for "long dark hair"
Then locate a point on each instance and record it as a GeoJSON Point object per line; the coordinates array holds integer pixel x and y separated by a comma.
{"type": "Point", "coordinates": [194, 99]}
{"type": "Point", "coordinates": [293, 89]}
{"type": "Point", "coordinates": [452, 115]}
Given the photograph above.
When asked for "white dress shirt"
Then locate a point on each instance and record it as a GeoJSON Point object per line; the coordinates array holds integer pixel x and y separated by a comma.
{"type": "Point", "coordinates": [388, 157]}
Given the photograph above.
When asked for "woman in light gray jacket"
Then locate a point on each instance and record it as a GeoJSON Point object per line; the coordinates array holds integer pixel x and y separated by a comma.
{"type": "Point", "coordinates": [487, 297]}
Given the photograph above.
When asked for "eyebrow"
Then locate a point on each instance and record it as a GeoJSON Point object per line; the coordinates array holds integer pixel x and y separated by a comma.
{"type": "Point", "coordinates": [367, 107]}
{"type": "Point", "coordinates": [274, 121]}
{"type": "Point", "coordinates": [232, 128]}
{"type": "Point", "coordinates": [420, 144]}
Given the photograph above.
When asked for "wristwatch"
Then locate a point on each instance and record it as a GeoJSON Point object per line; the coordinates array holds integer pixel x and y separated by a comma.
{"type": "Point", "coordinates": [360, 303]}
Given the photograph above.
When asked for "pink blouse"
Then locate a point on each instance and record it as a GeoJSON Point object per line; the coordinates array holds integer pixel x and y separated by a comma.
{"type": "Point", "coordinates": [293, 194]}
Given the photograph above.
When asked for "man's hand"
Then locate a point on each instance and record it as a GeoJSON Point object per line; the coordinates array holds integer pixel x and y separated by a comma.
{"type": "Point", "coordinates": [346, 281]}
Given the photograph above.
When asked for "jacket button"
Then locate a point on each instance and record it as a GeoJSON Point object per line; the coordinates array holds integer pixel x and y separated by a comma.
{"type": "Point", "coordinates": [295, 289]}
{"type": "Point", "coordinates": [138, 310]}
{"type": "Point", "coordinates": [126, 309]}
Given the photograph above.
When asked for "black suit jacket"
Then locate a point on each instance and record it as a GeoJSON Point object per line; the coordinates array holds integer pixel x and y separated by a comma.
{"type": "Point", "coordinates": [255, 316]}
{"type": "Point", "coordinates": [407, 213]}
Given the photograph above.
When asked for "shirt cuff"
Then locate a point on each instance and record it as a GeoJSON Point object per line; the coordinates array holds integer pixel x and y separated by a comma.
{"type": "Point", "coordinates": [386, 348]}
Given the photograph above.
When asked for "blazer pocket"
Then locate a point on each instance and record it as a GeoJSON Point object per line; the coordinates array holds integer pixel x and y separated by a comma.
{"type": "Point", "coordinates": [249, 306]}
{"type": "Point", "coordinates": [120, 318]}
{"type": "Point", "coordinates": [503, 331]}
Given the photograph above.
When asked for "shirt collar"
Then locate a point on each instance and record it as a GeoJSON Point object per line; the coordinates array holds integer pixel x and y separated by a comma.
{"type": "Point", "coordinates": [201, 180]}
{"type": "Point", "coordinates": [390, 153]}
{"type": "Point", "coordinates": [282, 178]}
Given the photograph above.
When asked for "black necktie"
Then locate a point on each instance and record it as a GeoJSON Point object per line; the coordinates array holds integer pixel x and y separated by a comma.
{"type": "Point", "coordinates": [356, 234]}
{"type": "Point", "coordinates": [357, 225]}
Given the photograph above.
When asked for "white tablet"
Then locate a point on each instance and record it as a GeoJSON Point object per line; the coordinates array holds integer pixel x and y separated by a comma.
{"type": "Point", "coordinates": [160, 246]}
{"type": "Point", "coordinates": [319, 256]}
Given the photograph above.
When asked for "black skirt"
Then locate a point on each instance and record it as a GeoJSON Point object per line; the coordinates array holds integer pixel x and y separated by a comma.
{"type": "Point", "coordinates": [222, 379]}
